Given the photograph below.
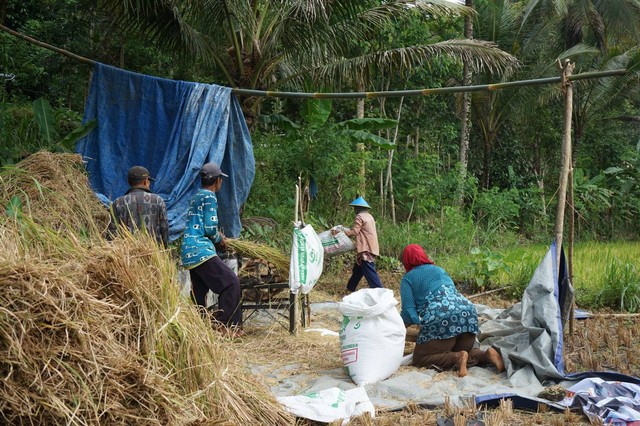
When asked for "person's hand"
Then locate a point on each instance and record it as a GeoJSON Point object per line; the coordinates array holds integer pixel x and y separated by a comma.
{"type": "Point", "coordinates": [222, 244]}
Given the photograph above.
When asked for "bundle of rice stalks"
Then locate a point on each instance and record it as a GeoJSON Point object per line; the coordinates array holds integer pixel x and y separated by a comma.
{"type": "Point", "coordinates": [272, 256]}
{"type": "Point", "coordinates": [54, 190]}
{"type": "Point", "coordinates": [95, 332]}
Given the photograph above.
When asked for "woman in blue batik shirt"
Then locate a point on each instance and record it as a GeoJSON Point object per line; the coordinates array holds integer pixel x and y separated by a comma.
{"type": "Point", "coordinates": [448, 321]}
{"type": "Point", "coordinates": [199, 256]}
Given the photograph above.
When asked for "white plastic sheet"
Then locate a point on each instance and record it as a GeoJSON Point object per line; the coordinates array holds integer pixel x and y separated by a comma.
{"type": "Point", "coordinates": [329, 405]}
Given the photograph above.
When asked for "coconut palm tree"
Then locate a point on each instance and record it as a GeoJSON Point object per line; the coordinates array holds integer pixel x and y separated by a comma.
{"type": "Point", "coordinates": [591, 21]}
{"type": "Point", "coordinates": [538, 40]}
{"type": "Point", "coordinates": [498, 21]}
{"type": "Point", "coordinates": [274, 44]}
{"type": "Point", "coordinates": [613, 28]}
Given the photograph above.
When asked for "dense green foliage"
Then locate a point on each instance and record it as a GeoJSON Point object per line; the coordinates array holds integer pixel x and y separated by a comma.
{"type": "Point", "coordinates": [509, 194]}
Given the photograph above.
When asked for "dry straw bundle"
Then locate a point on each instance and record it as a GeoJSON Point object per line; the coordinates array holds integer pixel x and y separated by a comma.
{"type": "Point", "coordinates": [269, 254]}
{"type": "Point", "coordinates": [54, 190]}
{"type": "Point", "coordinates": [95, 332]}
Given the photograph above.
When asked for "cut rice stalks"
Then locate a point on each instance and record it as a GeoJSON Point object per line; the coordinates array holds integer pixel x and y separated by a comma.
{"type": "Point", "coordinates": [96, 332]}
{"type": "Point", "coordinates": [271, 255]}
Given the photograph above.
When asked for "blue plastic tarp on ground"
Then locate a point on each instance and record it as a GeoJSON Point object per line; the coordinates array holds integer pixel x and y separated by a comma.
{"type": "Point", "coordinates": [172, 128]}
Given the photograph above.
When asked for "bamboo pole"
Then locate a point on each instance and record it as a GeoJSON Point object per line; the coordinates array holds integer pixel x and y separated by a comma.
{"type": "Point", "coordinates": [431, 91]}
{"type": "Point", "coordinates": [362, 173]}
{"type": "Point", "coordinates": [566, 68]}
{"type": "Point", "coordinates": [567, 87]}
{"type": "Point", "coordinates": [295, 221]}
{"type": "Point", "coordinates": [632, 315]}
{"type": "Point", "coordinates": [353, 95]}
{"type": "Point", "coordinates": [47, 46]}
{"type": "Point", "coordinates": [571, 236]}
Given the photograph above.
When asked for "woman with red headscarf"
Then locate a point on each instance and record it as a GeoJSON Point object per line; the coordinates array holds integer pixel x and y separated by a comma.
{"type": "Point", "coordinates": [448, 321]}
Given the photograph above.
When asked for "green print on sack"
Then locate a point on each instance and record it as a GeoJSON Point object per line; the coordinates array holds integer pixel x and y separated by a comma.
{"type": "Point", "coordinates": [302, 256]}
{"type": "Point", "coordinates": [345, 321]}
{"type": "Point", "coordinates": [341, 398]}
{"type": "Point", "coordinates": [313, 256]}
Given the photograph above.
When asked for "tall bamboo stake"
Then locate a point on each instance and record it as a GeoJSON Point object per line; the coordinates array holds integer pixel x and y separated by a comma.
{"type": "Point", "coordinates": [567, 88]}
{"type": "Point", "coordinates": [572, 221]}
{"type": "Point", "coordinates": [389, 180]}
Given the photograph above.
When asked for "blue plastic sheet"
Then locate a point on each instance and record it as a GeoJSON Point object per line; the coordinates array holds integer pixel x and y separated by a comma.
{"type": "Point", "coordinates": [172, 128]}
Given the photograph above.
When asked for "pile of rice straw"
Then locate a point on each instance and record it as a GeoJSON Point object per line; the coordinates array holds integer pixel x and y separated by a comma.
{"type": "Point", "coordinates": [95, 332]}
{"type": "Point", "coordinates": [54, 190]}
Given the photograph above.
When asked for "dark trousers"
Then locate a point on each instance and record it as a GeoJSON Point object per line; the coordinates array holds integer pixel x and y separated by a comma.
{"type": "Point", "coordinates": [366, 269]}
{"type": "Point", "coordinates": [214, 275]}
{"type": "Point", "coordinates": [442, 352]}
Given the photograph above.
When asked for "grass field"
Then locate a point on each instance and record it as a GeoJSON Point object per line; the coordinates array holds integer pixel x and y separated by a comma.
{"type": "Point", "coordinates": [605, 274]}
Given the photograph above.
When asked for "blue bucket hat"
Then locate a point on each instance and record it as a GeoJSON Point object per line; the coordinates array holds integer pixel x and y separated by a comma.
{"type": "Point", "coordinates": [360, 202]}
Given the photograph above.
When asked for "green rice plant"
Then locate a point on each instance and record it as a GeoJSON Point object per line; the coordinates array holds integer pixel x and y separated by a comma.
{"type": "Point", "coordinates": [620, 288]}
{"type": "Point", "coordinates": [591, 259]}
{"type": "Point", "coordinates": [518, 277]}
{"type": "Point", "coordinates": [446, 233]}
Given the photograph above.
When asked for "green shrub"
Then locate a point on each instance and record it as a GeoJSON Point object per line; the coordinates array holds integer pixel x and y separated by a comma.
{"type": "Point", "coordinates": [484, 267]}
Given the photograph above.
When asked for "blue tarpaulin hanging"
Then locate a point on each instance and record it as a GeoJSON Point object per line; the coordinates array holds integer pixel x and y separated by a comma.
{"type": "Point", "coordinates": [172, 128]}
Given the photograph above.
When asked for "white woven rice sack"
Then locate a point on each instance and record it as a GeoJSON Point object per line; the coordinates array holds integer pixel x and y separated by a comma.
{"type": "Point", "coordinates": [372, 335]}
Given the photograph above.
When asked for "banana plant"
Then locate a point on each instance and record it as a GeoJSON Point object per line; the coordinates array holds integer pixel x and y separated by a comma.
{"type": "Point", "coordinates": [45, 118]}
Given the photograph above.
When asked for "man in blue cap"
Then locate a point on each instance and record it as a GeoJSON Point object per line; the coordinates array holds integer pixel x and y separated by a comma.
{"type": "Point", "coordinates": [364, 229]}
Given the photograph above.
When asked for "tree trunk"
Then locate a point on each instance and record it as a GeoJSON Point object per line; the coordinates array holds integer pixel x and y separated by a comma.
{"type": "Point", "coordinates": [360, 101]}
{"type": "Point", "coordinates": [389, 180]}
{"type": "Point", "coordinates": [3, 11]}
{"type": "Point", "coordinates": [465, 129]}
{"type": "Point", "coordinates": [487, 151]}
{"type": "Point", "coordinates": [539, 174]}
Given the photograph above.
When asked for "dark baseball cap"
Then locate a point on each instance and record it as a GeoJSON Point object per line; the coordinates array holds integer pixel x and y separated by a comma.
{"type": "Point", "coordinates": [139, 172]}
{"type": "Point", "coordinates": [211, 170]}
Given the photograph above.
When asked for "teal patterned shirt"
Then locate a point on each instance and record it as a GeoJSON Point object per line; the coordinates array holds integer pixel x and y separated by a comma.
{"type": "Point", "coordinates": [201, 231]}
{"type": "Point", "coordinates": [430, 299]}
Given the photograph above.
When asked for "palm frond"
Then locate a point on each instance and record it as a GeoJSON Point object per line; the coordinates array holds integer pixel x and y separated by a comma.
{"type": "Point", "coordinates": [479, 54]}
{"type": "Point", "coordinates": [603, 97]}
{"type": "Point", "coordinates": [162, 21]}
{"type": "Point", "coordinates": [623, 14]}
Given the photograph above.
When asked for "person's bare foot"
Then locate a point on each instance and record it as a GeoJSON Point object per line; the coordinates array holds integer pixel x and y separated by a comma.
{"type": "Point", "coordinates": [496, 359]}
{"type": "Point", "coordinates": [463, 356]}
